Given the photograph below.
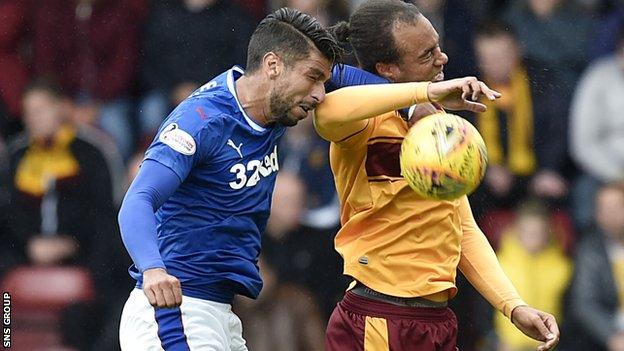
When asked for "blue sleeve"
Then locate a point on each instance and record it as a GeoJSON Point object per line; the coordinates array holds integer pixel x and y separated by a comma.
{"type": "Point", "coordinates": [153, 185]}
{"type": "Point", "coordinates": [346, 76]}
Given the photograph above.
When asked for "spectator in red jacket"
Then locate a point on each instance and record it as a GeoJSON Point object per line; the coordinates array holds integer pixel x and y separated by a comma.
{"type": "Point", "coordinates": [14, 22]}
{"type": "Point", "coordinates": [91, 47]}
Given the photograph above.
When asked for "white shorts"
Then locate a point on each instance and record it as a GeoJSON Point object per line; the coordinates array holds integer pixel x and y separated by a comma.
{"type": "Point", "coordinates": [196, 325]}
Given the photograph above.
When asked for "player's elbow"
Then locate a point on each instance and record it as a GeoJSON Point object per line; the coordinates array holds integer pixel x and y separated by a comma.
{"type": "Point", "coordinates": [331, 133]}
{"type": "Point", "coordinates": [321, 126]}
{"type": "Point", "coordinates": [339, 132]}
{"type": "Point", "coordinates": [128, 208]}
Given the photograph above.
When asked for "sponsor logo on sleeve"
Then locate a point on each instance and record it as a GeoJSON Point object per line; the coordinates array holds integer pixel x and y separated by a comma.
{"type": "Point", "coordinates": [177, 139]}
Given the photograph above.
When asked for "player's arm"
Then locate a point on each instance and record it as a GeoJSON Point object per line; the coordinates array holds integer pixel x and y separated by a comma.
{"type": "Point", "coordinates": [183, 141]}
{"type": "Point", "coordinates": [153, 185]}
{"type": "Point", "coordinates": [347, 76]}
{"type": "Point", "coordinates": [479, 264]}
{"type": "Point", "coordinates": [481, 267]}
{"type": "Point", "coordinates": [345, 111]}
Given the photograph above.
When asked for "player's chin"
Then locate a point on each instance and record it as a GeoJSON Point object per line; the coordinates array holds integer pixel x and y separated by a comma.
{"type": "Point", "coordinates": [294, 116]}
{"type": "Point", "coordinates": [289, 120]}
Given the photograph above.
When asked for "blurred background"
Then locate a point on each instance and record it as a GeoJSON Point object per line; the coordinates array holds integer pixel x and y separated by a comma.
{"type": "Point", "coordinates": [84, 85]}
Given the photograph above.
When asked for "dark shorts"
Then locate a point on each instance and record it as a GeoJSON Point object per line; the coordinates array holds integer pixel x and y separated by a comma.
{"type": "Point", "coordinates": [362, 324]}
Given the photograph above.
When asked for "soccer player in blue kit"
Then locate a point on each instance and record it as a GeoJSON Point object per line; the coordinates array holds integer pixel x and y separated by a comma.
{"type": "Point", "coordinates": [193, 217]}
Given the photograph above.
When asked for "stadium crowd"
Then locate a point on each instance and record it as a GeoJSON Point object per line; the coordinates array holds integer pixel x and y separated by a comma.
{"type": "Point", "coordinates": [84, 85]}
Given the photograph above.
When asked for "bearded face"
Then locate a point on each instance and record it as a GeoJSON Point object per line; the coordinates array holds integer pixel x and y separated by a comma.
{"type": "Point", "coordinates": [284, 109]}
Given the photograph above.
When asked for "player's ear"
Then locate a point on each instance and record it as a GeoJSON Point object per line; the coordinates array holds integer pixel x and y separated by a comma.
{"type": "Point", "coordinates": [272, 65]}
{"type": "Point", "coordinates": [390, 71]}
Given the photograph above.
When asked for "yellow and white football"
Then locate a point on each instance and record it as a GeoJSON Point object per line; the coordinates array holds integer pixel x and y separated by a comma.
{"type": "Point", "coordinates": [443, 157]}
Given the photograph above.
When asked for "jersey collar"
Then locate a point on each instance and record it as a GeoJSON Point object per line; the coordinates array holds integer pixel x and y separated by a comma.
{"type": "Point", "coordinates": [233, 74]}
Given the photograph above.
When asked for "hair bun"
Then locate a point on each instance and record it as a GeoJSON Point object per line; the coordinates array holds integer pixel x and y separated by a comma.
{"type": "Point", "coordinates": [341, 31]}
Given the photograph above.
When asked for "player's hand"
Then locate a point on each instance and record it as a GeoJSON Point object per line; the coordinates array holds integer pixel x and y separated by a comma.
{"type": "Point", "coordinates": [162, 290]}
{"type": "Point", "coordinates": [537, 325]}
{"type": "Point", "coordinates": [461, 94]}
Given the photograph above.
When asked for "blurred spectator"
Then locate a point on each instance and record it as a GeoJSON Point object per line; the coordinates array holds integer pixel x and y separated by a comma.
{"type": "Point", "coordinates": [285, 317]}
{"type": "Point", "coordinates": [302, 255]}
{"type": "Point", "coordinates": [8, 251]}
{"type": "Point", "coordinates": [91, 47]}
{"type": "Point", "coordinates": [544, 28]}
{"type": "Point", "coordinates": [15, 18]}
{"type": "Point", "coordinates": [521, 148]}
{"type": "Point", "coordinates": [186, 43]}
{"type": "Point", "coordinates": [139, 9]}
{"type": "Point", "coordinates": [507, 127]}
{"type": "Point", "coordinates": [256, 8]}
{"type": "Point", "coordinates": [109, 150]}
{"type": "Point", "coordinates": [597, 133]}
{"type": "Point", "coordinates": [62, 208]}
{"type": "Point", "coordinates": [531, 257]}
{"type": "Point", "coordinates": [328, 12]}
{"type": "Point", "coordinates": [605, 35]}
{"type": "Point", "coordinates": [554, 62]}
{"type": "Point", "coordinates": [134, 164]}
{"type": "Point", "coordinates": [287, 206]}
{"type": "Point", "coordinates": [304, 152]}
{"type": "Point", "coordinates": [486, 10]}
{"type": "Point", "coordinates": [596, 309]}
{"type": "Point", "coordinates": [454, 22]}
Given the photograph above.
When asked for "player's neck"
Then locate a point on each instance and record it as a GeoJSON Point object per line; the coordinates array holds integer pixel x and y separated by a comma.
{"type": "Point", "coordinates": [251, 93]}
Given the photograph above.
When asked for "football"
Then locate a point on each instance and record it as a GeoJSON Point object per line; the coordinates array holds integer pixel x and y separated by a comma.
{"type": "Point", "coordinates": [443, 157]}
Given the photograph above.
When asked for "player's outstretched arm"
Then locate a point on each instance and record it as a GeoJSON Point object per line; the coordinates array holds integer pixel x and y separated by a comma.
{"type": "Point", "coordinates": [152, 186]}
{"type": "Point", "coordinates": [481, 267]}
{"type": "Point", "coordinates": [345, 110]}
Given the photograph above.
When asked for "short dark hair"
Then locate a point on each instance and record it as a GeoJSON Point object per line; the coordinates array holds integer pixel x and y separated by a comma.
{"type": "Point", "coordinates": [290, 34]}
{"type": "Point", "coordinates": [370, 27]}
{"type": "Point", "coordinates": [45, 84]}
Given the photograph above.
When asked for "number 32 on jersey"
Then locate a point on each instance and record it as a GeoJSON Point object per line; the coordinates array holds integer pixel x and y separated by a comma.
{"type": "Point", "coordinates": [248, 175]}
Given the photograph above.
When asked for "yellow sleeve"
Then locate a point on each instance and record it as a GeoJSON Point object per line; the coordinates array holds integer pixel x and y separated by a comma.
{"type": "Point", "coordinates": [344, 111]}
{"type": "Point", "coordinates": [480, 265]}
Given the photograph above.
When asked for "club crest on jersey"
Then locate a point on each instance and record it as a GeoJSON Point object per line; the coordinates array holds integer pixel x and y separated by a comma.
{"type": "Point", "coordinates": [178, 139]}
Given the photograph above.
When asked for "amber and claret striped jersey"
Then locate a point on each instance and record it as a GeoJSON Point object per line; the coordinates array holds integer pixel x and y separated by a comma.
{"type": "Point", "coordinates": [398, 243]}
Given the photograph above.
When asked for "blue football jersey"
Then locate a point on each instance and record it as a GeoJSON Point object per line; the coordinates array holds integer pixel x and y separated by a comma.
{"type": "Point", "coordinates": [209, 230]}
